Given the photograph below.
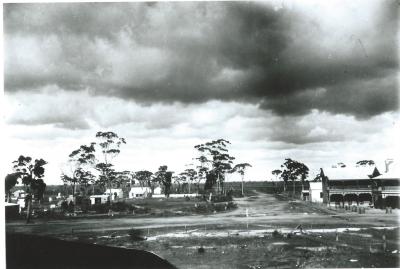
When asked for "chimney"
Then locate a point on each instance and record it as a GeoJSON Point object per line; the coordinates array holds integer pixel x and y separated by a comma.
{"type": "Point", "coordinates": [387, 163]}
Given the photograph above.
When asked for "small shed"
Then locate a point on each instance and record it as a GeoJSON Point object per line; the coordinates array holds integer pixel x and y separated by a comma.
{"type": "Point", "coordinates": [99, 199]}
{"type": "Point", "coordinates": [316, 194]}
{"type": "Point", "coordinates": [139, 192]}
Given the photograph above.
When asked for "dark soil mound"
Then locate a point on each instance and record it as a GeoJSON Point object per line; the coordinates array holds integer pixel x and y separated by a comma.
{"type": "Point", "coordinates": [29, 251]}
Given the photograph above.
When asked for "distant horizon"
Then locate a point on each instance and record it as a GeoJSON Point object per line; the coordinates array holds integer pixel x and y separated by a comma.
{"type": "Point", "coordinates": [310, 176]}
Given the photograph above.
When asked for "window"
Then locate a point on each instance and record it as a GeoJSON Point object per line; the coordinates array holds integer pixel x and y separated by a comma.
{"type": "Point", "coordinates": [321, 195]}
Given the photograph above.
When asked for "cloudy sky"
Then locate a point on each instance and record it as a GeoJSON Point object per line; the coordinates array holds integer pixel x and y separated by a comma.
{"type": "Point", "coordinates": [312, 81]}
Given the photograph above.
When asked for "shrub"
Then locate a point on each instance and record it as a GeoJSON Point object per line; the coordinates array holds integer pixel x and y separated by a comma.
{"type": "Point", "coordinates": [100, 208]}
{"type": "Point", "coordinates": [203, 208]}
{"type": "Point", "coordinates": [224, 206]}
{"type": "Point", "coordinates": [276, 234]}
{"type": "Point", "coordinates": [50, 214]}
{"type": "Point", "coordinates": [220, 207]}
{"type": "Point", "coordinates": [70, 207]}
{"type": "Point", "coordinates": [120, 206]}
{"type": "Point", "coordinates": [64, 206]}
{"type": "Point", "coordinates": [136, 234]}
{"type": "Point", "coordinates": [232, 205]}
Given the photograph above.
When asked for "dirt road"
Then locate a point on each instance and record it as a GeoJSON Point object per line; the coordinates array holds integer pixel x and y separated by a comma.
{"type": "Point", "coordinates": [258, 211]}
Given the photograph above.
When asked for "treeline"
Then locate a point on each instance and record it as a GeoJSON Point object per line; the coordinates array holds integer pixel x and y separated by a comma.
{"type": "Point", "coordinates": [92, 166]}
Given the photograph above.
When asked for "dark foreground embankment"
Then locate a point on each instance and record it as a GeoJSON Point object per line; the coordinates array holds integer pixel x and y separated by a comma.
{"type": "Point", "coordinates": [30, 252]}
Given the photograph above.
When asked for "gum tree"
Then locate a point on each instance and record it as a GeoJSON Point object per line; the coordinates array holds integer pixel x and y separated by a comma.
{"type": "Point", "coordinates": [221, 161]}
{"type": "Point", "coordinates": [179, 180]}
{"type": "Point", "coordinates": [294, 170]}
{"type": "Point", "coordinates": [31, 174]}
{"type": "Point", "coordinates": [125, 180]}
{"type": "Point", "coordinates": [202, 168]}
{"type": "Point", "coordinates": [79, 162]}
{"type": "Point", "coordinates": [167, 182]}
{"type": "Point", "coordinates": [145, 178]}
{"type": "Point", "coordinates": [277, 173]}
{"type": "Point", "coordinates": [190, 176]}
{"type": "Point", "coordinates": [241, 169]}
{"type": "Point", "coordinates": [109, 144]}
{"type": "Point", "coordinates": [164, 177]}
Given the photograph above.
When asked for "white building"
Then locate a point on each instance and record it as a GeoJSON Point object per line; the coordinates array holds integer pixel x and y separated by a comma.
{"type": "Point", "coordinates": [140, 192]}
{"type": "Point", "coordinates": [157, 191]}
{"type": "Point", "coordinates": [315, 192]}
{"type": "Point", "coordinates": [115, 194]}
{"type": "Point", "coordinates": [99, 199]}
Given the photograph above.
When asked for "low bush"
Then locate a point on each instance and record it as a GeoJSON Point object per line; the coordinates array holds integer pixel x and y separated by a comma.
{"type": "Point", "coordinates": [224, 206]}
{"type": "Point", "coordinates": [220, 207]}
{"type": "Point", "coordinates": [204, 208]}
{"type": "Point", "coordinates": [50, 214]}
{"type": "Point", "coordinates": [136, 234]}
{"type": "Point", "coordinates": [232, 205]}
{"type": "Point", "coordinates": [100, 208]}
{"type": "Point", "coordinates": [121, 206]}
{"type": "Point", "coordinates": [64, 206]}
{"type": "Point", "coordinates": [276, 234]}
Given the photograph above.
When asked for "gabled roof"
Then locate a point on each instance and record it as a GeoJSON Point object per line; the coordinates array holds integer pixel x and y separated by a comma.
{"type": "Point", "coordinates": [349, 173]}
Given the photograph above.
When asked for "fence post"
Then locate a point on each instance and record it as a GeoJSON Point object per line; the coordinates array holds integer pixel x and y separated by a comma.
{"type": "Point", "coordinates": [384, 239]}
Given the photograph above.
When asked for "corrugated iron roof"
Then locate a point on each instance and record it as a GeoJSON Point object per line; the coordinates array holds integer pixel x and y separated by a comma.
{"type": "Point", "coordinates": [348, 172]}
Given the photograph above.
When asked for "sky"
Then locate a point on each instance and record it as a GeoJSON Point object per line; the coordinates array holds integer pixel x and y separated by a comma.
{"type": "Point", "coordinates": [315, 81]}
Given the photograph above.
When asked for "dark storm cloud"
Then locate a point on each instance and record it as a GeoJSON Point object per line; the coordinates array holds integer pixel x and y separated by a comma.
{"type": "Point", "coordinates": [363, 98]}
{"type": "Point", "coordinates": [284, 59]}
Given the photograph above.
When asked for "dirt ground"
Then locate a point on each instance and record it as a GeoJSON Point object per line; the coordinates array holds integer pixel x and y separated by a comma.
{"type": "Point", "coordinates": [261, 233]}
